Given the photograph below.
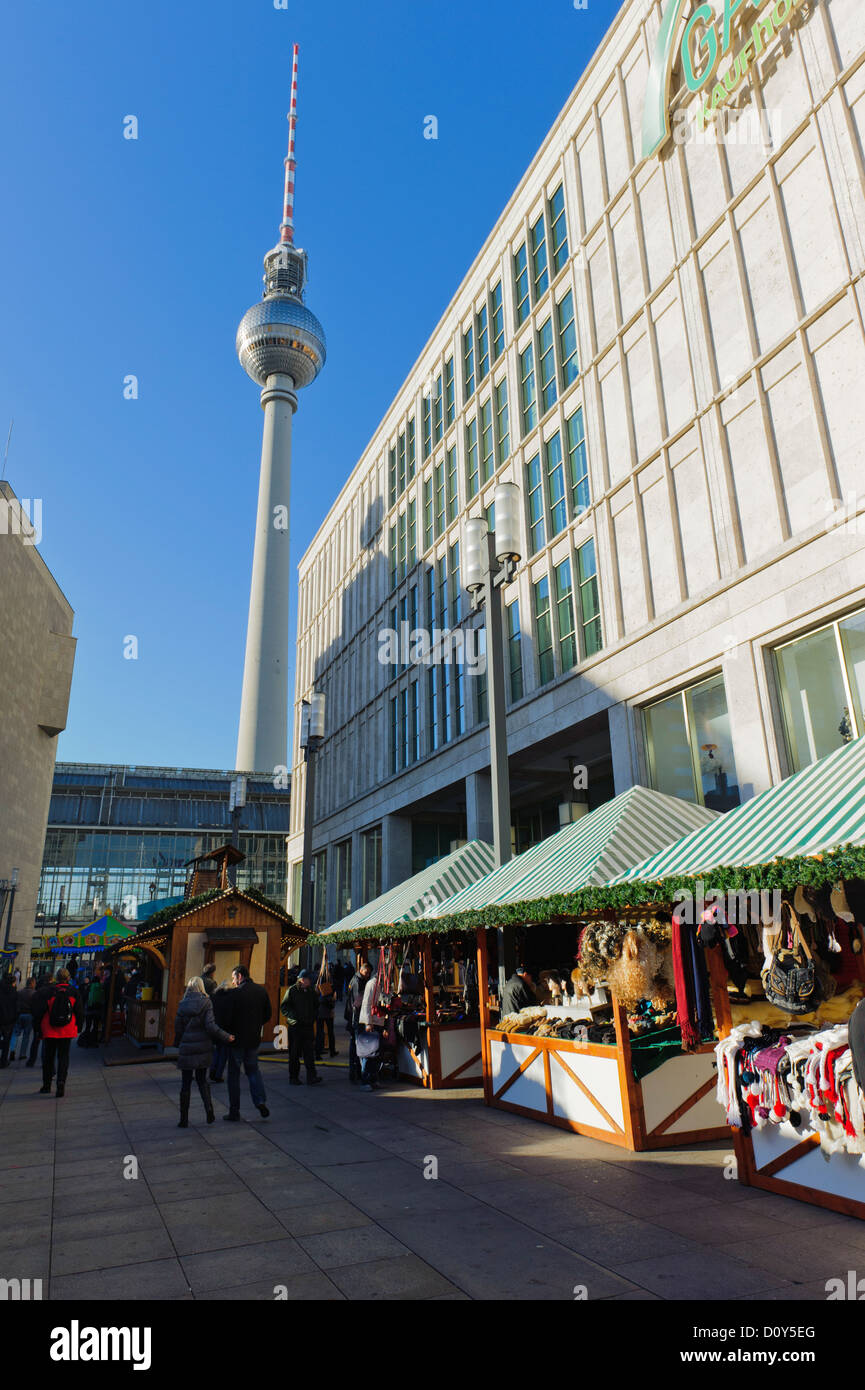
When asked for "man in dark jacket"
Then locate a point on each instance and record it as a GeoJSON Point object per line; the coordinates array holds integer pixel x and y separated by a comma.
{"type": "Point", "coordinates": [37, 1009]}
{"type": "Point", "coordinates": [8, 1015]}
{"type": "Point", "coordinates": [221, 1000]}
{"type": "Point", "coordinates": [299, 1009]}
{"type": "Point", "coordinates": [518, 992]}
{"type": "Point", "coordinates": [250, 1010]}
{"type": "Point", "coordinates": [24, 1021]}
{"type": "Point", "coordinates": [358, 984]}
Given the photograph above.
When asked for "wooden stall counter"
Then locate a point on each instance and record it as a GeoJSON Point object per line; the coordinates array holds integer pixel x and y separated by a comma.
{"type": "Point", "coordinates": [448, 1055]}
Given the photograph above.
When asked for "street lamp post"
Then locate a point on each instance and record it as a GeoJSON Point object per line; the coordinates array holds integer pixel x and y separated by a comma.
{"type": "Point", "coordinates": [11, 887]}
{"type": "Point", "coordinates": [236, 803]}
{"type": "Point", "coordinates": [311, 735]}
{"type": "Point", "coordinates": [490, 561]}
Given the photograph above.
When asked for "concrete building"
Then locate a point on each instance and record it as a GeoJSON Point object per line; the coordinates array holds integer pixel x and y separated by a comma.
{"type": "Point", "coordinates": [120, 838]}
{"type": "Point", "coordinates": [37, 651]}
{"type": "Point", "coordinates": [661, 342]}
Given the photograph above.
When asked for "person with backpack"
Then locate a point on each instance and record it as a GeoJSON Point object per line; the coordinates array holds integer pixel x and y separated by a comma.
{"type": "Point", "coordinates": [58, 1024]}
{"type": "Point", "coordinates": [93, 1014]}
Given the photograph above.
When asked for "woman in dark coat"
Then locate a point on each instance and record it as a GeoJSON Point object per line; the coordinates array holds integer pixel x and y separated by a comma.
{"type": "Point", "coordinates": [195, 1028]}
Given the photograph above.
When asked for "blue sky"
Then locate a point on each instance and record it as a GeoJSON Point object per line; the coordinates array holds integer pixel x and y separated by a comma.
{"type": "Point", "coordinates": [141, 257]}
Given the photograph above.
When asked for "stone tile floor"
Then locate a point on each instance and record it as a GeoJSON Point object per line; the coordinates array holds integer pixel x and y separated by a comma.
{"type": "Point", "coordinates": [329, 1198]}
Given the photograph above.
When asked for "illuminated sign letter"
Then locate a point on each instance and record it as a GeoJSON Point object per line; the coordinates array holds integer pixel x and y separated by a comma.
{"type": "Point", "coordinates": [702, 15]}
{"type": "Point", "coordinates": [656, 114]}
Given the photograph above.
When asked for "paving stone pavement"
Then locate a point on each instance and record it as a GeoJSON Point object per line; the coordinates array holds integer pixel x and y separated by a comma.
{"type": "Point", "coordinates": [328, 1199]}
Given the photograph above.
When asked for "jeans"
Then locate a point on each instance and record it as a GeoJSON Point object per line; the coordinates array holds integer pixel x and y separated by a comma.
{"type": "Point", "coordinates": [186, 1089]}
{"type": "Point", "coordinates": [55, 1048]}
{"type": "Point", "coordinates": [22, 1035]}
{"type": "Point", "coordinates": [220, 1057]}
{"type": "Point", "coordinates": [247, 1057]}
{"type": "Point", "coordinates": [320, 1026]}
{"type": "Point", "coordinates": [34, 1048]}
{"type": "Point", "coordinates": [301, 1045]}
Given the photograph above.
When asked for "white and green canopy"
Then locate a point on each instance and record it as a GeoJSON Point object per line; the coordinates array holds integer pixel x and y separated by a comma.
{"type": "Point", "coordinates": [410, 899]}
{"type": "Point", "coordinates": [588, 852]}
{"type": "Point", "coordinates": [814, 812]}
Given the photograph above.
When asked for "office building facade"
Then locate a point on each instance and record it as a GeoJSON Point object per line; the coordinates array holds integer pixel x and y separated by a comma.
{"type": "Point", "coordinates": [661, 343]}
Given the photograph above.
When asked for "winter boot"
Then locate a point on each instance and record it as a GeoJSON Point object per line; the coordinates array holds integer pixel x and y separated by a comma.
{"type": "Point", "coordinates": [204, 1092]}
{"type": "Point", "coordinates": [183, 1122]}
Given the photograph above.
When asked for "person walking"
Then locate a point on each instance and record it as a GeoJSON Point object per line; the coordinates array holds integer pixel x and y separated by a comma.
{"type": "Point", "coordinates": [207, 979]}
{"type": "Point", "coordinates": [250, 1010]}
{"type": "Point", "coordinates": [221, 1001]}
{"type": "Point", "coordinates": [326, 1001]}
{"type": "Point", "coordinates": [8, 1015]}
{"type": "Point", "coordinates": [37, 1009]}
{"type": "Point", "coordinates": [23, 1021]}
{"type": "Point", "coordinates": [195, 1028]}
{"type": "Point", "coordinates": [94, 1011]}
{"type": "Point", "coordinates": [59, 1022]}
{"type": "Point", "coordinates": [299, 1008]}
{"type": "Point", "coordinates": [353, 1003]}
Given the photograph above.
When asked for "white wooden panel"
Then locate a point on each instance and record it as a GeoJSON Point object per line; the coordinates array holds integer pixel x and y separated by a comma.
{"type": "Point", "coordinates": [599, 1076]}
{"type": "Point", "coordinates": [457, 1047]}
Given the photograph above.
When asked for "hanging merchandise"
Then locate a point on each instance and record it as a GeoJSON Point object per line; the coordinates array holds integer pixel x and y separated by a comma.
{"type": "Point", "coordinates": [790, 978]}
{"type": "Point", "coordinates": [693, 1002]}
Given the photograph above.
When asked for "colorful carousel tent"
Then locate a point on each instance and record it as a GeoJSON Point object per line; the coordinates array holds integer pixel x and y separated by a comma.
{"type": "Point", "coordinates": [588, 852]}
{"type": "Point", "coordinates": [410, 899]}
{"type": "Point", "coordinates": [816, 816]}
{"type": "Point", "coordinates": [105, 931]}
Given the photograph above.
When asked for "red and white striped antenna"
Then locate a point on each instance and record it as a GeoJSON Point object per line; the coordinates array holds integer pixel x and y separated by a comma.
{"type": "Point", "coordinates": [286, 229]}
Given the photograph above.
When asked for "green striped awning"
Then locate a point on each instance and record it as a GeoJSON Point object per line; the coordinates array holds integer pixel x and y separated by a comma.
{"type": "Point", "coordinates": [588, 852]}
{"type": "Point", "coordinates": [816, 810]}
{"type": "Point", "coordinates": [410, 899]}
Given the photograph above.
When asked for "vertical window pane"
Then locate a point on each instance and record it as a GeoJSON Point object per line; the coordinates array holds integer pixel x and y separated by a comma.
{"type": "Point", "coordinates": [709, 723]}
{"type": "Point", "coordinates": [400, 462]}
{"type": "Point", "coordinates": [852, 632]}
{"type": "Point", "coordinates": [452, 490]}
{"type": "Point", "coordinates": [440, 498]}
{"type": "Point", "coordinates": [498, 322]}
{"type": "Point", "coordinates": [590, 604]}
{"type": "Point", "coordinates": [670, 766]}
{"type": "Point", "coordinates": [544, 631]}
{"type": "Point", "coordinates": [432, 710]}
{"type": "Point", "coordinates": [456, 591]}
{"type": "Point", "coordinates": [459, 699]}
{"type": "Point", "coordinates": [578, 464]}
{"type": "Point", "coordinates": [540, 275]}
{"type": "Point", "coordinates": [472, 457]}
{"type": "Point", "coordinates": [450, 396]}
{"type": "Point", "coordinates": [813, 696]}
{"type": "Point", "coordinates": [529, 393]}
{"type": "Point", "coordinates": [503, 436]}
{"type": "Point", "coordinates": [371, 843]}
{"type": "Point", "coordinates": [487, 460]}
{"type": "Point", "coordinates": [412, 533]}
{"type": "Point", "coordinates": [443, 605]}
{"type": "Point", "coordinates": [483, 340]}
{"type": "Point", "coordinates": [428, 515]}
{"type": "Point", "coordinates": [515, 653]}
{"type": "Point", "coordinates": [394, 736]}
{"type": "Point", "coordinates": [558, 230]}
{"type": "Point", "coordinates": [414, 724]}
{"type": "Point", "coordinates": [565, 615]}
{"type": "Point", "coordinates": [445, 703]}
{"type": "Point", "coordinates": [547, 366]}
{"type": "Point", "coordinates": [556, 484]}
{"type": "Point", "coordinates": [403, 544]}
{"type": "Point", "coordinates": [393, 559]}
{"type": "Point", "coordinates": [411, 450]}
{"type": "Point", "coordinates": [469, 362]}
{"type": "Point", "coordinates": [391, 471]}
{"type": "Point", "coordinates": [521, 285]}
{"type": "Point", "coordinates": [534, 494]}
{"type": "Point", "coordinates": [568, 340]}
{"type": "Point", "coordinates": [426, 425]}
{"type": "Point", "coordinates": [437, 411]}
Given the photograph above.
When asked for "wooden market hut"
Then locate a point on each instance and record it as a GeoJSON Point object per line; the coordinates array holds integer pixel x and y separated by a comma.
{"type": "Point", "coordinates": [215, 923]}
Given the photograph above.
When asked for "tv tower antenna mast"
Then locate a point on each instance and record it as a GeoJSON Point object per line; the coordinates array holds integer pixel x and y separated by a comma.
{"type": "Point", "coordinates": [281, 345]}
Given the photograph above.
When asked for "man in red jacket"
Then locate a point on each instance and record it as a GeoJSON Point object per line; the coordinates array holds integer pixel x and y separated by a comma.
{"type": "Point", "coordinates": [60, 1020]}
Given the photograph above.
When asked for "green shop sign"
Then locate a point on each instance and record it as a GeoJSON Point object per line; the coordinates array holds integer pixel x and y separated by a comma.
{"type": "Point", "coordinates": [709, 65]}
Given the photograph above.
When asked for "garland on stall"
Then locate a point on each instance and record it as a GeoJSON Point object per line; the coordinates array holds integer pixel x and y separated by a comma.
{"type": "Point", "coordinates": [169, 914]}
{"type": "Point", "coordinates": [848, 862]}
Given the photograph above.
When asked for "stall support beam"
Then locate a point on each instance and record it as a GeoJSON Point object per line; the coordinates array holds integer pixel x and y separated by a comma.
{"type": "Point", "coordinates": [429, 1006]}
{"type": "Point", "coordinates": [484, 1009]}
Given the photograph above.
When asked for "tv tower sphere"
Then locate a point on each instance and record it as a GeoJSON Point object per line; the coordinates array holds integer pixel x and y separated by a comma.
{"type": "Point", "coordinates": [279, 334]}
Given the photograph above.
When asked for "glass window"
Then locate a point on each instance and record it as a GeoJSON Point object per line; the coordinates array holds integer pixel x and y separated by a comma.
{"type": "Point", "coordinates": [343, 878]}
{"type": "Point", "coordinates": [445, 703]}
{"type": "Point", "coordinates": [456, 591]}
{"type": "Point", "coordinates": [411, 449]}
{"type": "Point", "coordinates": [544, 631]}
{"type": "Point", "coordinates": [503, 436]}
{"type": "Point", "coordinates": [690, 749]}
{"type": "Point", "coordinates": [565, 615]}
{"type": "Point", "coordinates": [431, 596]}
{"type": "Point", "coordinates": [443, 606]}
{"type": "Point", "coordinates": [440, 499]}
{"type": "Point", "coordinates": [540, 274]}
{"type": "Point", "coordinates": [547, 364]}
{"type": "Point", "coordinates": [319, 890]}
{"type": "Point", "coordinates": [568, 340]}
{"type": "Point", "coordinates": [432, 709]}
{"type": "Point", "coordinates": [402, 535]}
{"type": "Point", "coordinates": [452, 492]}
{"type": "Point", "coordinates": [428, 514]}
{"type": "Point", "coordinates": [472, 457]}
{"type": "Point", "coordinates": [450, 396]}
{"type": "Point", "coordinates": [555, 484]}
{"type": "Point", "coordinates": [437, 411]}
{"type": "Point", "coordinates": [521, 284]}
{"type": "Point", "coordinates": [822, 684]}
{"type": "Point", "coordinates": [515, 650]}
{"type": "Point", "coordinates": [469, 362]}
{"type": "Point", "coordinates": [487, 459]}
{"type": "Point", "coordinates": [459, 699]}
{"type": "Point", "coordinates": [370, 858]}
{"type": "Point", "coordinates": [403, 726]}
{"type": "Point", "coordinates": [498, 321]}
{"type": "Point", "coordinates": [479, 680]}
{"type": "Point", "coordinates": [400, 462]}
{"type": "Point", "coordinates": [558, 230]}
{"type": "Point", "coordinates": [590, 603]}
{"type": "Point", "coordinates": [391, 469]}
{"type": "Point", "coordinates": [393, 561]}
{"type": "Point", "coordinates": [535, 496]}
{"type": "Point", "coordinates": [529, 392]}
{"type": "Point", "coordinates": [483, 341]}
{"type": "Point", "coordinates": [426, 426]}
{"type": "Point", "coordinates": [414, 724]}
{"type": "Point", "coordinates": [578, 463]}
{"type": "Point", "coordinates": [412, 533]}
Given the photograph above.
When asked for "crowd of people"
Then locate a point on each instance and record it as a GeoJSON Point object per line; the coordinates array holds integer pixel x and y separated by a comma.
{"type": "Point", "coordinates": [217, 1027]}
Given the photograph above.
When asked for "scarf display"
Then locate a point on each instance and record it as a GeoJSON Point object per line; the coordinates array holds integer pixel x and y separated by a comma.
{"type": "Point", "coordinates": [693, 1001]}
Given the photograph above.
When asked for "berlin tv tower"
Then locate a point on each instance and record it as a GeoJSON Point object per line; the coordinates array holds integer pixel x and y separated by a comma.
{"type": "Point", "coordinates": [281, 346]}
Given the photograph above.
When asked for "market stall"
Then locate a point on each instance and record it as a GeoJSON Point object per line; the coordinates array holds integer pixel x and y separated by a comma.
{"type": "Point", "coordinates": [790, 1063]}
{"type": "Point", "coordinates": [586, 1058]}
{"type": "Point", "coordinates": [431, 975]}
